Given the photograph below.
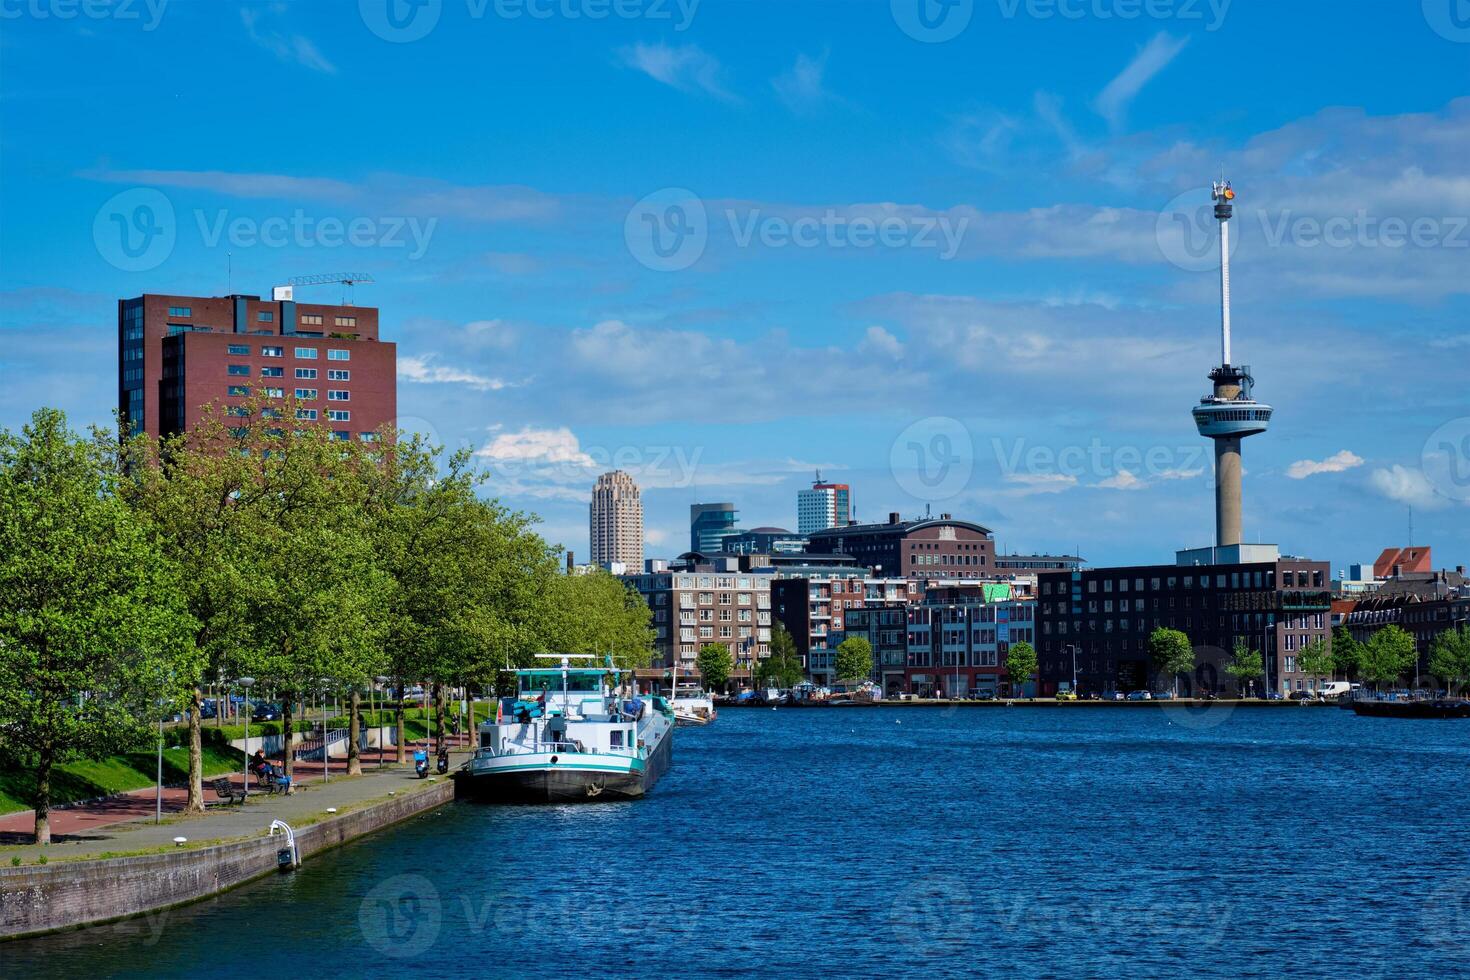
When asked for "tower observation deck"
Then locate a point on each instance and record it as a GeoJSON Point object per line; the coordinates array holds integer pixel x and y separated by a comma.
{"type": "Point", "coordinates": [1231, 412]}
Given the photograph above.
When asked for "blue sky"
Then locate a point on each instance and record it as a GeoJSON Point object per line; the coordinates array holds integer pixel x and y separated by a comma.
{"type": "Point", "coordinates": [951, 254]}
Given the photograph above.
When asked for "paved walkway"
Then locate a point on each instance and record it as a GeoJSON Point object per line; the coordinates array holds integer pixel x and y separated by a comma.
{"type": "Point", "coordinates": [126, 822]}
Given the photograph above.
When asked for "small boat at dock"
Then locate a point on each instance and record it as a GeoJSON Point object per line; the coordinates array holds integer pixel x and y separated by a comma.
{"type": "Point", "coordinates": [1412, 708]}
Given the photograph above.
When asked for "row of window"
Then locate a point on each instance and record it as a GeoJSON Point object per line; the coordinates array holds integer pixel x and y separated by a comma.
{"type": "Point", "coordinates": [302, 374]}
{"type": "Point", "coordinates": [302, 353]}
{"type": "Point", "coordinates": [333, 415]}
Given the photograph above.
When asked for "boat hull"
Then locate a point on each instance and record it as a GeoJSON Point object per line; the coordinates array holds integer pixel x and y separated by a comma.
{"type": "Point", "coordinates": [1412, 709]}
{"type": "Point", "coordinates": [565, 780]}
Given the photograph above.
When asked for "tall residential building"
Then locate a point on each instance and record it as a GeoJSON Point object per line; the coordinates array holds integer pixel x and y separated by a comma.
{"type": "Point", "coordinates": [699, 603]}
{"type": "Point", "coordinates": [177, 354]}
{"type": "Point", "coordinates": [616, 524]}
{"type": "Point", "coordinates": [710, 525]}
{"type": "Point", "coordinates": [824, 505]}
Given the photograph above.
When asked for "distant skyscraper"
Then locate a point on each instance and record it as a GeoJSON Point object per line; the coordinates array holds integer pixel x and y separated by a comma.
{"type": "Point", "coordinates": [710, 525]}
{"type": "Point", "coordinates": [824, 505]}
{"type": "Point", "coordinates": [616, 525]}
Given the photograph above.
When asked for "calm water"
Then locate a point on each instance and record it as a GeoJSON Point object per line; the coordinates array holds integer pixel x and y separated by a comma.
{"type": "Point", "coordinates": [891, 841]}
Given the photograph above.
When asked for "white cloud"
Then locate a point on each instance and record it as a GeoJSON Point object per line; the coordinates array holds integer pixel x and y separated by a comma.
{"type": "Point", "coordinates": [879, 341]}
{"type": "Point", "coordinates": [1406, 486]}
{"type": "Point", "coordinates": [1030, 484]}
{"type": "Point", "coordinates": [287, 47]}
{"type": "Point", "coordinates": [802, 87]}
{"type": "Point", "coordinates": [1112, 103]}
{"type": "Point", "coordinates": [422, 370]}
{"type": "Point", "coordinates": [1122, 480]}
{"type": "Point", "coordinates": [532, 445]}
{"type": "Point", "coordinates": [687, 68]}
{"type": "Point", "coordinates": [1336, 463]}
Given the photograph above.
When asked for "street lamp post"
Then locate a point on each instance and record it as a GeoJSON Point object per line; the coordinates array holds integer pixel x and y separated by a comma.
{"type": "Point", "coordinates": [1074, 667]}
{"type": "Point", "coordinates": [378, 722]}
{"type": "Point", "coordinates": [158, 801]}
{"type": "Point", "coordinates": [247, 683]}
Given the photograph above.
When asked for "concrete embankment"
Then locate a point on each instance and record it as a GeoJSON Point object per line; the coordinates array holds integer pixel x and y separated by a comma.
{"type": "Point", "coordinates": [64, 895]}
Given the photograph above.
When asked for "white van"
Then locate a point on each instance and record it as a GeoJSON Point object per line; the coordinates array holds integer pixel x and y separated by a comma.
{"type": "Point", "coordinates": [1334, 689]}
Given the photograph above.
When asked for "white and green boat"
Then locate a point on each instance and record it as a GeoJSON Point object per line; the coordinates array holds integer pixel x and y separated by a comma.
{"type": "Point", "coordinates": [568, 736]}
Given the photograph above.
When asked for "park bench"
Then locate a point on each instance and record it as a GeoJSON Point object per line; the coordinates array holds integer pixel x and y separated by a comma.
{"type": "Point", "coordinates": [226, 791]}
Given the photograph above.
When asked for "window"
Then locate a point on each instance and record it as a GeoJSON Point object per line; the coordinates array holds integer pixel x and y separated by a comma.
{"type": "Point", "coordinates": [338, 415]}
{"type": "Point", "coordinates": [238, 410]}
{"type": "Point", "coordinates": [275, 392]}
{"type": "Point", "coordinates": [239, 370]}
{"type": "Point", "coordinates": [341, 435]}
{"type": "Point", "coordinates": [306, 394]}
{"type": "Point", "coordinates": [310, 319]}
{"type": "Point", "coordinates": [272, 372]}
{"type": "Point", "coordinates": [265, 316]}
{"type": "Point", "coordinates": [272, 352]}
{"type": "Point", "coordinates": [346, 321]}
{"type": "Point", "coordinates": [184, 311]}
{"type": "Point", "coordinates": [338, 355]}
{"type": "Point", "coordinates": [373, 437]}
{"type": "Point", "coordinates": [309, 414]}
{"type": "Point", "coordinates": [306, 374]}
{"type": "Point", "coordinates": [334, 395]}
{"type": "Point", "coordinates": [338, 374]}
{"type": "Point", "coordinates": [238, 390]}
{"type": "Point", "coordinates": [239, 350]}
{"type": "Point", "coordinates": [306, 353]}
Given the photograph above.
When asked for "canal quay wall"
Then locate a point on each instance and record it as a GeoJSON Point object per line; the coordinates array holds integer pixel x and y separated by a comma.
{"type": "Point", "coordinates": [70, 894]}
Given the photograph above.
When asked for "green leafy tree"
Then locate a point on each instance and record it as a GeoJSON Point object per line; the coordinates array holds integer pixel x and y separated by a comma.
{"type": "Point", "coordinates": [853, 660]}
{"type": "Point", "coordinates": [1245, 665]}
{"type": "Point", "coordinates": [1021, 665]}
{"type": "Point", "coordinates": [94, 632]}
{"type": "Point", "coordinates": [598, 613]}
{"type": "Point", "coordinates": [1172, 654]}
{"type": "Point", "coordinates": [715, 664]}
{"type": "Point", "coordinates": [1387, 656]}
{"type": "Point", "coordinates": [1346, 652]}
{"type": "Point", "coordinates": [782, 667]}
{"type": "Point", "coordinates": [1316, 660]}
{"type": "Point", "coordinates": [1449, 658]}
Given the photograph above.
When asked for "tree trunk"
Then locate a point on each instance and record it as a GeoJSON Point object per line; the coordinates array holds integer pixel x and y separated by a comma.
{"type": "Point", "coordinates": [286, 752]}
{"type": "Point", "coordinates": [398, 721]}
{"type": "Point", "coordinates": [354, 733]}
{"type": "Point", "coordinates": [195, 803]}
{"type": "Point", "coordinates": [43, 797]}
{"type": "Point", "coordinates": [438, 695]}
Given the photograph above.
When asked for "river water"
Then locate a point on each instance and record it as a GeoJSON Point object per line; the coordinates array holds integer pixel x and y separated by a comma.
{"type": "Point", "coordinates": [1137, 840]}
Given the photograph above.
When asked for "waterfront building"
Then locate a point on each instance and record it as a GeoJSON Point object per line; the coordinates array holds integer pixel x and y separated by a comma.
{"type": "Point", "coordinates": [957, 640]}
{"type": "Point", "coordinates": [1397, 562]}
{"type": "Point", "coordinates": [932, 548]}
{"type": "Point", "coordinates": [697, 602]}
{"type": "Point", "coordinates": [1424, 604]}
{"type": "Point", "coordinates": [1094, 624]}
{"type": "Point", "coordinates": [710, 525]}
{"type": "Point", "coordinates": [765, 541]}
{"type": "Point", "coordinates": [1032, 565]}
{"type": "Point", "coordinates": [178, 354]}
{"type": "Point", "coordinates": [825, 505]}
{"type": "Point", "coordinates": [814, 603]}
{"type": "Point", "coordinates": [616, 521]}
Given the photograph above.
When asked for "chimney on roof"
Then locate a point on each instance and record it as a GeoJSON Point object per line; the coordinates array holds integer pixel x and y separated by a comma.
{"type": "Point", "coordinates": [1398, 570]}
{"type": "Point", "coordinates": [893, 517]}
{"type": "Point", "coordinates": [1460, 569]}
{"type": "Point", "coordinates": [945, 517]}
{"type": "Point", "coordinates": [571, 560]}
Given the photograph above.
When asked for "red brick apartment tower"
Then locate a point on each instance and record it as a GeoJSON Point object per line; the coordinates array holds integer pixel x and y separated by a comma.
{"type": "Point", "coordinates": [177, 354]}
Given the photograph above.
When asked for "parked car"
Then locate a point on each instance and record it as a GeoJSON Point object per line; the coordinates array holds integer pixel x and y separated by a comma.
{"type": "Point", "coordinates": [984, 695]}
{"type": "Point", "coordinates": [1140, 696]}
{"type": "Point", "coordinates": [1066, 695]}
{"type": "Point", "coordinates": [266, 711]}
{"type": "Point", "coordinates": [1118, 696]}
{"type": "Point", "coordinates": [1303, 696]}
{"type": "Point", "coordinates": [207, 708]}
{"type": "Point", "coordinates": [1163, 695]}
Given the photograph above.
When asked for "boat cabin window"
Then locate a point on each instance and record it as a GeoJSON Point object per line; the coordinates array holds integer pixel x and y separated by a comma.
{"type": "Point", "coordinates": [484, 740]}
{"type": "Point", "coordinates": [616, 738]}
{"type": "Point", "coordinates": [550, 680]}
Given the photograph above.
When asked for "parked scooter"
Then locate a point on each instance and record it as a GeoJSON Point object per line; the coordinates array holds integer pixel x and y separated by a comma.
{"type": "Point", "coordinates": [421, 763]}
{"type": "Point", "coordinates": [444, 760]}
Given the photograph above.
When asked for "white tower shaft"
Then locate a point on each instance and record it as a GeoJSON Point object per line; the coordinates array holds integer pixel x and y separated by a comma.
{"type": "Point", "coordinates": [1225, 293]}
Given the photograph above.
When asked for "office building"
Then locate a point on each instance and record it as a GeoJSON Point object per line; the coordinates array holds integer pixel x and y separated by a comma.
{"type": "Point", "coordinates": [824, 505]}
{"type": "Point", "coordinates": [928, 548]}
{"type": "Point", "coordinates": [709, 526]}
{"type": "Point", "coordinates": [178, 354]}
